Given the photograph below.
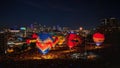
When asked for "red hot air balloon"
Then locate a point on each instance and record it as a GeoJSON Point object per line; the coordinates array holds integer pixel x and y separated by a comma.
{"type": "Point", "coordinates": [34, 35]}
{"type": "Point", "coordinates": [28, 41]}
{"type": "Point", "coordinates": [98, 38]}
{"type": "Point", "coordinates": [72, 40]}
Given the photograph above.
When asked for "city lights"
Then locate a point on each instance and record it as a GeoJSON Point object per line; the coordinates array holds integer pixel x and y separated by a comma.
{"type": "Point", "coordinates": [42, 43]}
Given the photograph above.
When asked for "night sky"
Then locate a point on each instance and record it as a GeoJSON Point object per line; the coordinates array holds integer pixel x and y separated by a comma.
{"type": "Point", "coordinates": [71, 13]}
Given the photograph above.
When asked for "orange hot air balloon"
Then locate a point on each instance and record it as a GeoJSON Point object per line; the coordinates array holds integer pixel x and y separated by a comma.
{"type": "Point", "coordinates": [98, 38]}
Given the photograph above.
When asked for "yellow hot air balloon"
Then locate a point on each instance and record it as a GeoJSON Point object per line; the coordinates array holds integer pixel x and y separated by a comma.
{"type": "Point", "coordinates": [61, 40]}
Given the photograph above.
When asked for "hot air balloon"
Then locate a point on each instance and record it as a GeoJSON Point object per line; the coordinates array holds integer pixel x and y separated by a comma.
{"type": "Point", "coordinates": [28, 41]}
{"type": "Point", "coordinates": [61, 40]}
{"type": "Point", "coordinates": [34, 35]}
{"type": "Point", "coordinates": [44, 42]}
{"type": "Point", "coordinates": [32, 39]}
{"type": "Point", "coordinates": [98, 38]}
{"type": "Point", "coordinates": [55, 38]}
{"type": "Point", "coordinates": [72, 40]}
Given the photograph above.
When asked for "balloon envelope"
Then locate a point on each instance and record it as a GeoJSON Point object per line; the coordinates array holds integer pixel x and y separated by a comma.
{"type": "Point", "coordinates": [61, 39]}
{"type": "Point", "coordinates": [55, 38]}
{"type": "Point", "coordinates": [45, 42]}
{"type": "Point", "coordinates": [34, 35]}
{"type": "Point", "coordinates": [98, 38]}
{"type": "Point", "coordinates": [73, 40]}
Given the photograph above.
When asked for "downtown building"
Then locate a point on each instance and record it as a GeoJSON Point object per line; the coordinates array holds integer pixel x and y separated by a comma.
{"type": "Point", "coordinates": [108, 25]}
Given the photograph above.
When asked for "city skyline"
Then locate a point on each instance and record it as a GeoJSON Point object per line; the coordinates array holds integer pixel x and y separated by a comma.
{"type": "Point", "coordinates": [72, 13]}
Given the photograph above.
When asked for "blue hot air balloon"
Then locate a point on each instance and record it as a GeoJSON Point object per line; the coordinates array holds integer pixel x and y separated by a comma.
{"type": "Point", "coordinates": [44, 42]}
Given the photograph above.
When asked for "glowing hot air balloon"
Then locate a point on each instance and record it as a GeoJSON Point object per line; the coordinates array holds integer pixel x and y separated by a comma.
{"type": "Point", "coordinates": [98, 38]}
{"type": "Point", "coordinates": [32, 39]}
{"type": "Point", "coordinates": [34, 35]}
{"type": "Point", "coordinates": [55, 38]}
{"type": "Point", "coordinates": [72, 40]}
{"type": "Point", "coordinates": [61, 40]}
{"type": "Point", "coordinates": [44, 42]}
